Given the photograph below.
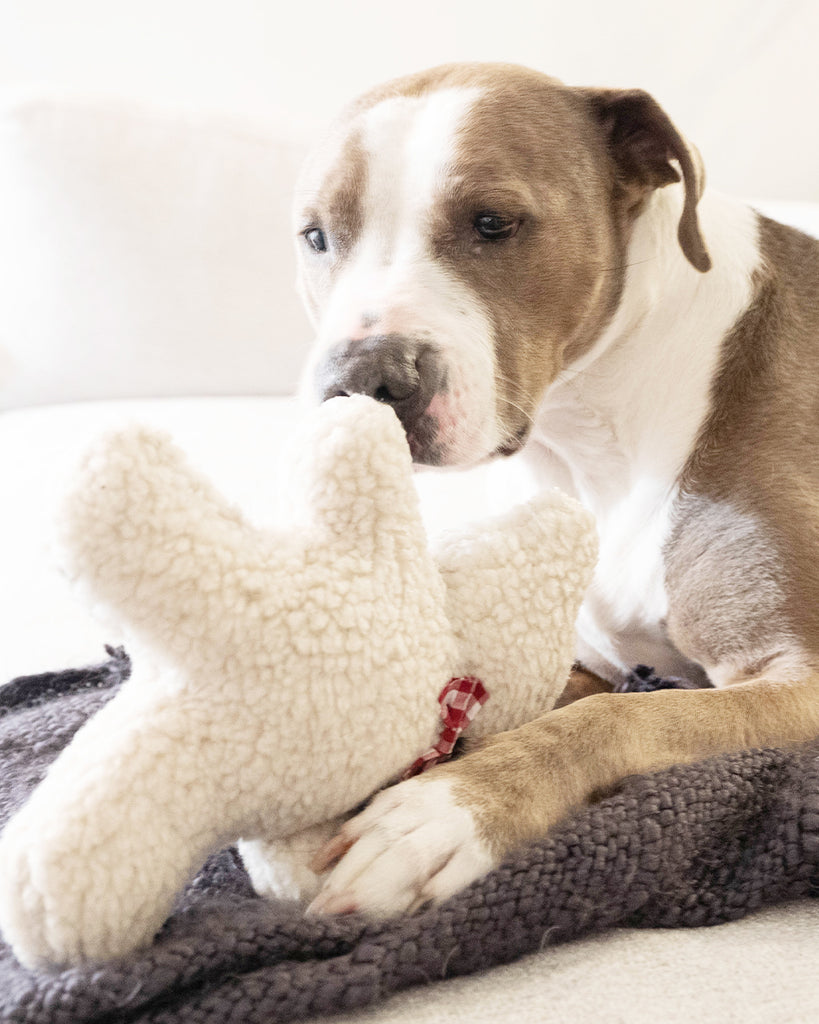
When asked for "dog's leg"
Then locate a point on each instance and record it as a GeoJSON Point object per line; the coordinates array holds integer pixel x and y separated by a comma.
{"type": "Point", "coordinates": [582, 683]}
{"type": "Point", "coordinates": [429, 837]}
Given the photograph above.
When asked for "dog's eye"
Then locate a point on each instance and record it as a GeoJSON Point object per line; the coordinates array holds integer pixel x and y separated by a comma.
{"type": "Point", "coordinates": [494, 227]}
{"type": "Point", "coordinates": [315, 239]}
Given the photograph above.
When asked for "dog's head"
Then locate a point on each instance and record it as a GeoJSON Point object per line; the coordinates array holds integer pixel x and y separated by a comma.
{"type": "Point", "coordinates": [462, 238]}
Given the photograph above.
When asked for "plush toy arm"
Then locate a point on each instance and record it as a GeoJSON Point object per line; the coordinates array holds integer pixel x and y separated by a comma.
{"type": "Point", "coordinates": [158, 543]}
{"type": "Point", "coordinates": [90, 866]}
{"type": "Point", "coordinates": [514, 588]}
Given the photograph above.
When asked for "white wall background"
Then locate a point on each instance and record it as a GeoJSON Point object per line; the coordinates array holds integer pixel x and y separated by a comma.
{"type": "Point", "coordinates": [740, 77]}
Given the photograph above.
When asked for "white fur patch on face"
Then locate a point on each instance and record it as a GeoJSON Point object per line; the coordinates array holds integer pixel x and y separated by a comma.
{"type": "Point", "coordinates": [410, 142]}
{"type": "Point", "coordinates": [392, 284]}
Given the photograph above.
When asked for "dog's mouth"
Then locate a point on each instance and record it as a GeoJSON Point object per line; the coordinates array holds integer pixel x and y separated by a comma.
{"type": "Point", "coordinates": [445, 408]}
{"type": "Point", "coordinates": [514, 442]}
{"type": "Point", "coordinates": [432, 445]}
{"type": "Point", "coordinates": [424, 443]}
{"type": "Point", "coordinates": [450, 433]}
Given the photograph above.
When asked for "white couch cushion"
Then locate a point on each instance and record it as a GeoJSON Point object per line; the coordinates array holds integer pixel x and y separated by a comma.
{"type": "Point", "coordinates": [144, 252]}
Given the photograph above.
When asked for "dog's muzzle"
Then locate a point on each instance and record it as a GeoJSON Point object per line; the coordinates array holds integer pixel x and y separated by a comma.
{"type": "Point", "coordinates": [402, 372]}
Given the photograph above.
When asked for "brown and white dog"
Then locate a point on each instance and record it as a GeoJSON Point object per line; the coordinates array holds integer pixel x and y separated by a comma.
{"type": "Point", "coordinates": [513, 263]}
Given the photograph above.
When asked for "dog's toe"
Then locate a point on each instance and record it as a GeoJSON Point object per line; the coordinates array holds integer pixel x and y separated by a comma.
{"type": "Point", "coordinates": [414, 844]}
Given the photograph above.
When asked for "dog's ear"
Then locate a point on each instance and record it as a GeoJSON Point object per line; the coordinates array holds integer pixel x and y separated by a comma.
{"type": "Point", "coordinates": [643, 142]}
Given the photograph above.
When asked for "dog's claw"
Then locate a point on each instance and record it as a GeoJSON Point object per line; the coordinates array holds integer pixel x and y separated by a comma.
{"type": "Point", "coordinates": [326, 903]}
{"type": "Point", "coordinates": [331, 853]}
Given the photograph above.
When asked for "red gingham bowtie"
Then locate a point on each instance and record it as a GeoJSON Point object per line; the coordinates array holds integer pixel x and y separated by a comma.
{"type": "Point", "coordinates": [461, 699]}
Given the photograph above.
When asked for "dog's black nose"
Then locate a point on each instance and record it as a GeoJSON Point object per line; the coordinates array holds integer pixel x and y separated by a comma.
{"type": "Point", "coordinates": [400, 371]}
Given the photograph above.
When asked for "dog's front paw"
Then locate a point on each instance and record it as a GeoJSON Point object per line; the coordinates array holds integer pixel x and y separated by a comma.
{"type": "Point", "coordinates": [415, 843]}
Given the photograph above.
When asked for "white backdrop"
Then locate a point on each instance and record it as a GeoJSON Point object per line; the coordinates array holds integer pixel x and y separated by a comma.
{"type": "Point", "coordinates": [739, 76]}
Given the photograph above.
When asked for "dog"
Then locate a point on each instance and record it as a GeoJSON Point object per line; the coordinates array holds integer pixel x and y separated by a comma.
{"type": "Point", "coordinates": [514, 264]}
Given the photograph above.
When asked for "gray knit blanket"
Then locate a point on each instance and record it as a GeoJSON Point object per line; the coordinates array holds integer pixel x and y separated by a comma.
{"type": "Point", "coordinates": [694, 845]}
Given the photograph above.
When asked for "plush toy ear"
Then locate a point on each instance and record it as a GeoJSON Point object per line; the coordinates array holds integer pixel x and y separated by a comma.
{"type": "Point", "coordinates": [642, 142]}
{"type": "Point", "coordinates": [354, 472]}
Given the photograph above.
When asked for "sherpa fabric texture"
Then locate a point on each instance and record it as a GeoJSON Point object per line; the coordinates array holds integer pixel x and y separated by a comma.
{"type": "Point", "coordinates": [282, 676]}
{"type": "Point", "coordinates": [694, 845]}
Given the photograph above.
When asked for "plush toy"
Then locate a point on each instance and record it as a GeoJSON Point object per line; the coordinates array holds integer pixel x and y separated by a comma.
{"type": "Point", "coordinates": [299, 671]}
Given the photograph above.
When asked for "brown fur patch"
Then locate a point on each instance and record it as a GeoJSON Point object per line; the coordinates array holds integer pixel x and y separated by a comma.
{"type": "Point", "coordinates": [642, 141]}
{"type": "Point", "coordinates": [530, 150]}
{"type": "Point", "coordinates": [330, 195]}
{"type": "Point", "coordinates": [743, 561]}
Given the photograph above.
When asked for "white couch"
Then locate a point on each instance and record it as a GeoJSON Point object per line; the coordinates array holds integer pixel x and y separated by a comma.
{"type": "Point", "coordinates": [147, 274]}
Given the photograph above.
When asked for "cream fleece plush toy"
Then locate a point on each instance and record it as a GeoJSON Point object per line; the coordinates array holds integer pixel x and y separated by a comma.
{"type": "Point", "coordinates": [300, 671]}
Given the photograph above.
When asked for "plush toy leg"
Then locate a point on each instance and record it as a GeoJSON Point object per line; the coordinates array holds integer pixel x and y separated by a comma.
{"type": "Point", "coordinates": [90, 866]}
{"type": "Point", "coordinates": [281, 868]}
